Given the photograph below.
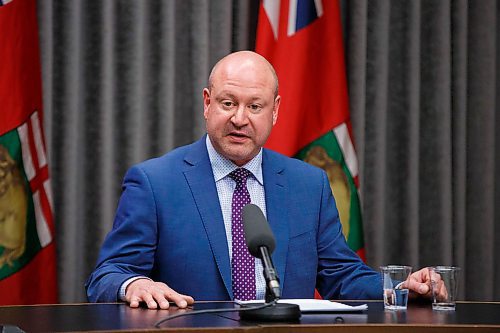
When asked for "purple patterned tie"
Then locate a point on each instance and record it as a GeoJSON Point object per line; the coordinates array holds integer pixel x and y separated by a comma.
{"type": "Point", "coordinates": [242, 263]}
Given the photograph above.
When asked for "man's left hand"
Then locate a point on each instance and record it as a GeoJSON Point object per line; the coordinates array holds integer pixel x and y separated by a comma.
{"type": "Point", "coordinates": [419, 283]}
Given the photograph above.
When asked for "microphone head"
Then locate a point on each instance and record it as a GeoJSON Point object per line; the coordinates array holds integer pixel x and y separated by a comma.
{"type": "Point", "coordinates": [257, 230]}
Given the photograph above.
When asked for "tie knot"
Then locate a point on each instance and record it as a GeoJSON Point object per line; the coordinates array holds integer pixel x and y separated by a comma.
{"type": "Point", "coordinates": [240, 175]}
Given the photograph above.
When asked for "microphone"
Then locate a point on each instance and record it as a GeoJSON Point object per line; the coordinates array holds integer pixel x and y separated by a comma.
{"type": "Point", "coordinates": [261, 243]}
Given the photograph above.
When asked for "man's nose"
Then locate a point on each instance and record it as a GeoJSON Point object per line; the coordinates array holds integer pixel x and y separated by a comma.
{"type": "Point", "coordinates": [240, 116]}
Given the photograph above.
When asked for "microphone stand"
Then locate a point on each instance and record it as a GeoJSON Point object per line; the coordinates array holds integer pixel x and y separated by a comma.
{"type": "Point", "coordinates": [277, 311]}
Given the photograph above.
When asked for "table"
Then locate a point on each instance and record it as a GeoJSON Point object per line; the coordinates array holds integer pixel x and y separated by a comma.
{"type": "Point", "coordinates": [118, 317]}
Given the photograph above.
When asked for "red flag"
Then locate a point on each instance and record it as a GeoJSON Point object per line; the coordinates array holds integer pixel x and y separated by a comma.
{"type": "Point", "coordinates": [303, 41]}
{"type": "Point", "coordinates": [27, 250]}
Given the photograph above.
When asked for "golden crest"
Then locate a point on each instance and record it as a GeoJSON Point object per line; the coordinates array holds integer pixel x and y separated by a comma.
{"type": "Point", "coordinates": [318, 156]}
{"type": "Point", "coordinates": [13, 208]}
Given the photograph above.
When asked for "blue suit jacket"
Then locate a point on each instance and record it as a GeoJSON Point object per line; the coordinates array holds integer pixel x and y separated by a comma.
{"type": "Point", "coordinates": [169, 227]}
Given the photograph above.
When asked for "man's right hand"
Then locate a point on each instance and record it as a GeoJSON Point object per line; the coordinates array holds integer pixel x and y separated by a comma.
{"type": "Point", "coordinates": [154, 294]}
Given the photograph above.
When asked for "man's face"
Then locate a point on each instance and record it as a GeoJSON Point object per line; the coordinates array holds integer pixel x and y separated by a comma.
{"type": "Point", "coordinates": [240, 109]}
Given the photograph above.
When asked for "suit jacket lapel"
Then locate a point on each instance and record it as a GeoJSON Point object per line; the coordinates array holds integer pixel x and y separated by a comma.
{"type": "Point", "coordinates": [277, 209]}
{"type": "Point", "coordinates": [199, 176]}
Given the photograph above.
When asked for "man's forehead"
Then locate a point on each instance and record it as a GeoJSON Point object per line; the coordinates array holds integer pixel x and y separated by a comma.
{"type": "Point", "coordinates": [247, 94]}
{"type": "Point", "coordinates": [244, 68]}
{"type": "Point", "coordinates": [235, 88]}
{"type": "Point", "coordinates": [244, 79]}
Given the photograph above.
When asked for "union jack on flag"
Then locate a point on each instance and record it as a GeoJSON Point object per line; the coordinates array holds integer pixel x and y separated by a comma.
{"type": "Point", "coordinates": [300, 14]}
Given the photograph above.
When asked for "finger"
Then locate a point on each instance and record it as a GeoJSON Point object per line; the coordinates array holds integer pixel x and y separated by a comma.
{"type": "Point", "coordinates": [159, 296]}
{"type": "Point", "coordinates": [180, 300]}
{"type": "Point", "coordinates": [135, 291]}
{"type": "Point", "coordinates": [435, 277]}
{"type": "Point", "coordinates": [423, 280]}
{"type": "Point", "coordinates": [437, 285]}
{"type": "Point", "coordinates": [177, 298]}
{"type": "Point", "coordinates": [150, 302]}
{"type": "Point", "coordinates": [189, 299]}
{"type": "Point", "coordinates": [442, 291]}
{"type": "Point", "coordinates": [134, 302]}
{"type": "Point", "coordinates": [418, 287]}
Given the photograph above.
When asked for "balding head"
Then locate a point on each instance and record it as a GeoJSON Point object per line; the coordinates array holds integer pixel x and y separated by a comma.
{"type": "Point", "coordinates": [244, 59]}
{"type": "Point", "coordinates": [241, 105]}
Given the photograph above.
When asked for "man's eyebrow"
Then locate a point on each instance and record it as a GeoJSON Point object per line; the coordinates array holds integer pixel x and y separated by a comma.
{"type": "Point", "coordinates": [257, 99]}
{"type": "Point", "coordinates": [226, 94]}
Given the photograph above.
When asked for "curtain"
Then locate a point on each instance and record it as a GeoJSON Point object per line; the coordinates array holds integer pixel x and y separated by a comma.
{"type": "Point", "coordinates": [122, 82]}
{"type": "Point", "coordinates": [423, 86]}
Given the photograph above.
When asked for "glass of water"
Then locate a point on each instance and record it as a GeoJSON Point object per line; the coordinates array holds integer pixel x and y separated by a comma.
{"type": "Point", "coordinates": [395, 294]}
{"type": "Point", "coordinates": [444, 285]}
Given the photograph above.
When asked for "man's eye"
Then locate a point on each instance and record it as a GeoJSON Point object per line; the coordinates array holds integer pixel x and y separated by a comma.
{"type": "Point", "coordinates": [227, 104]}
{"type": "Point", "coordinates": [255, 107]}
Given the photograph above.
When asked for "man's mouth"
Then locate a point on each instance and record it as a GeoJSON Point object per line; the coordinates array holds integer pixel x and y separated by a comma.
{"type": "Point", "coordinates": [238, 134]}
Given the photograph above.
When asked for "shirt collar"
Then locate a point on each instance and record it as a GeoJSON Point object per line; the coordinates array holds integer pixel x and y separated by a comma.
{"type": "Point", "coordinates": [221, 166]}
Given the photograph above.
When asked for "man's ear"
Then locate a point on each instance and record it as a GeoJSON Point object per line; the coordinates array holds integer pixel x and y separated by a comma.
{"type": "Point", "coordinates": [277, 101]}
{"type": "Point", "coordinates": [206, 102]}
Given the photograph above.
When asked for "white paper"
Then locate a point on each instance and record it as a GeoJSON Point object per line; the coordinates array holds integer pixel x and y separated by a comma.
{"type": "Point", "coordinates": [316, 305]}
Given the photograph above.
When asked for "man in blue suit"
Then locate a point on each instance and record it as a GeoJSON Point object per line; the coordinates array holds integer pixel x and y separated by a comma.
{"type": "Point", "coordinates": [171, 238]}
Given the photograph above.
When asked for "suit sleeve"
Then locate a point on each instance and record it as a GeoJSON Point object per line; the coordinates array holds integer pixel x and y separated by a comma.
{"type": "Point", "coordinates": [341, 273]}
{"type": "Point", "coordinates": [129, 248]}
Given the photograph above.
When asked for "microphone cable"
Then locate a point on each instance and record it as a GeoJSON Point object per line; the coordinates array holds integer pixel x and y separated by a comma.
{"type": "Point", "coordinates": [196, 312]}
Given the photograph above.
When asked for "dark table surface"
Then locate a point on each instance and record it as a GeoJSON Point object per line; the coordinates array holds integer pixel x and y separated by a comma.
{"type": "Point", "coordinates": [469, 316]}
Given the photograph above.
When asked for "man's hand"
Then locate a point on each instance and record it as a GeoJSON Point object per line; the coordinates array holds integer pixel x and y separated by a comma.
{"type": "Point", "coordinates": [154, 294]}
{"type": "Point", "coordinates": [419, 282]}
